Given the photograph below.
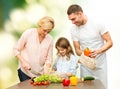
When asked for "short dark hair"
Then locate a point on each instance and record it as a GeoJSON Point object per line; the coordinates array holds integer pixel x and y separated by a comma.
{"type": "Point", "coordinates": [74, 8]}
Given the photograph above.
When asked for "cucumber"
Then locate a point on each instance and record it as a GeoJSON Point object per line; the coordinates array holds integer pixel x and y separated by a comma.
{"type": "Point", "coordinates": [88, 78]}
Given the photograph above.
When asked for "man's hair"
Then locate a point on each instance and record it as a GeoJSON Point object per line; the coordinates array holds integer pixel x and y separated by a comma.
{"type": "Point", "coordinates": [74, 8]}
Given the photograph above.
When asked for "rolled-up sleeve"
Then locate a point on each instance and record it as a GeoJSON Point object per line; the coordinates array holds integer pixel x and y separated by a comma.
{"type": "Point", "coordinates": [20, 44]}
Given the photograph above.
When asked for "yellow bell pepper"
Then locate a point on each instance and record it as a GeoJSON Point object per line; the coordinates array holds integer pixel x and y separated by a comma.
{"type": "Point", "coordinates": [74, 80]}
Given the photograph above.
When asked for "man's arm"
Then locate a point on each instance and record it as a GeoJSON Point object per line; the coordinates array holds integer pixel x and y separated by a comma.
{"type": "Point", "coordinates": [108, 44]}
{"type": "Point", "coordinates": [106, 36]}
{"type": "Point", "coordinates": [77, 48]}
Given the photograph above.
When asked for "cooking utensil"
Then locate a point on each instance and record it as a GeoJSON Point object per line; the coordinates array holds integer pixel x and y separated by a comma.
{"type": "Point", "coordinates": [34, 72]}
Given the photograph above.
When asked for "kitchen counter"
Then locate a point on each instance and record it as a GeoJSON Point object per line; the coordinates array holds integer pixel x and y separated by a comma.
{"type": "Point", "coordinates": [94, 84]}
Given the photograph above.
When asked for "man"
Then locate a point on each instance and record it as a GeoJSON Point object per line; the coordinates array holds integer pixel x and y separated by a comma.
{"type": "Point", "coordinates": [86, 33]}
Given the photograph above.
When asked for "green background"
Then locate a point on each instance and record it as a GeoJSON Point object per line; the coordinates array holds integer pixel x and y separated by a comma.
{"type": "Point", "coordinates": [18, 15]}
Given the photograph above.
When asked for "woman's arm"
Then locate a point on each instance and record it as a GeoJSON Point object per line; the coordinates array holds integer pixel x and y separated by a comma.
{"type": "Point", "coordinates": [49, 58]}
{"type": "Point", "coordinates": [25, 65]}
{"type": "Point", "coordinates": [19, 46]}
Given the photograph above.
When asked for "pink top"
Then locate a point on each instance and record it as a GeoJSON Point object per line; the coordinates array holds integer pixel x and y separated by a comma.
{"type": "Point", "coordinates": [35, 53]}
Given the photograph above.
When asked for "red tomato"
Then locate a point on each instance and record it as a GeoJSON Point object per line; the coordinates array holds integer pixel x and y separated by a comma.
{"type": "Point", "coordinates": [39, 83]}
{"type": "Point", "coordinates": [34, 84]}
{"type": "Point", "coordinates": [31, 82]}
{"type": "Point", "coordinates": [45, 83]}
{"type": "Point", "coordinates": [66, 82]}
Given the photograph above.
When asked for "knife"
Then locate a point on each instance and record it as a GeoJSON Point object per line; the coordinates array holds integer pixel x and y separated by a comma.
{"type": "Point", "coordinates": [34, 72]}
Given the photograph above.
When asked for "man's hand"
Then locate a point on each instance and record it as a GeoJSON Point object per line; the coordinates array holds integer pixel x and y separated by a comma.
{"type": "Point", "coordinates": [94, 53]}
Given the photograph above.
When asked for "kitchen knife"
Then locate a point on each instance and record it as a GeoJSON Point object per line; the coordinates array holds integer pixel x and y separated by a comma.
{"type": "Point", "coordinates": [34, 72]}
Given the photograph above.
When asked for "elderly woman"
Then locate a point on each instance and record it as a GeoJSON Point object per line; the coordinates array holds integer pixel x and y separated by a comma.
{"type": "Point", "coordinates": [34, 50]}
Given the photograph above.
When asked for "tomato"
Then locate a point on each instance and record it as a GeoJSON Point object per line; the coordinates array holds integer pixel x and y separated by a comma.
{"type": "Point", "coordinates": [48, 82]}
{"type": "Point", "coordinates": [73, 80]}
{"type": "Point", "coordinates": [34, 84]}
{"type": "Point", "coordinates": [87, 52]}
{"type": "Point", "coordinates": [31, 82]}
{"type": "Point", "coordinates": [66, 82]}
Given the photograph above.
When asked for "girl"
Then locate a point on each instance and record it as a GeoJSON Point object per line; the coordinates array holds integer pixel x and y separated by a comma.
{"type": "Point", "coordinates": [65, 63]}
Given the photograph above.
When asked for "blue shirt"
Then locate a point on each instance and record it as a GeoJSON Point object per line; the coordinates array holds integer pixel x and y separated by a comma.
{"type": "Point", "coordinates": [62, 65]}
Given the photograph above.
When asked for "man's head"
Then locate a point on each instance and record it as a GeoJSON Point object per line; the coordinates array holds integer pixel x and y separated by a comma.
{"type": "Point", "coordinates": [75, 14]}
{"type": "Point", "coordinates": [74, 9]}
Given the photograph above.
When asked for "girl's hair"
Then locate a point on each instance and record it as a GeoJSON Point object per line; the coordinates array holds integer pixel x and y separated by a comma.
{"type": "Point", "coordinates": [64, 43]}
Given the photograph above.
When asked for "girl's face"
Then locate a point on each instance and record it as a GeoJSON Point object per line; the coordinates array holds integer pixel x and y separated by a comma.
{"type": "Point", "coordinates": [62, 51]}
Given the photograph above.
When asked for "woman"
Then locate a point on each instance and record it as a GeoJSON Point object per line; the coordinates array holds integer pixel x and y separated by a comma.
{"type": "Point", "coordinates": [34, 50]}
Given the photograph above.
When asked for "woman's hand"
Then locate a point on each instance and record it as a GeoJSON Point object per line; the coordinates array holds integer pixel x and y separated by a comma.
{"type": "Point", "coordinates": [47, 68]}
{"type": "Point", "coordinates": [46, 71]}
{"type": "Point", "coordinates": [25, 65]}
